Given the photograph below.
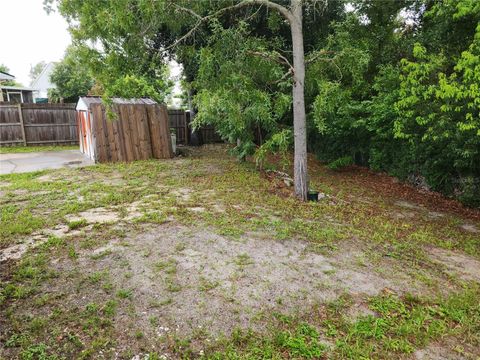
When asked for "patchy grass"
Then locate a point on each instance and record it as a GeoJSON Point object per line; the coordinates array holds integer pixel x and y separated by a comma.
{"type": "Point", "coordinates": [76, 224]}
{"type": "Point", "coordinates": [18, 221]}
{"type": "Point", "coordinates": [124, 294]}
{"type": "Point", "coordinates": [236, 200]}
{"type": "Point", "coordinates": [25, 149]}
{"type": "Point", "coordinates": [400, 325]}
{"type": "Point", "coordinates": [83, 292]}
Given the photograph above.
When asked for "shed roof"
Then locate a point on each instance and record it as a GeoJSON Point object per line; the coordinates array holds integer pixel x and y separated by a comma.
{"type": "Point", "coordinates": [89, 100]}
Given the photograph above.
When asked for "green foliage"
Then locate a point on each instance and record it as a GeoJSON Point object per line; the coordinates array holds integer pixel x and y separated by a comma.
{"type": "Point", "coordinates": [4, 68]}
{"type": "Point", "coordinates": [131, 86]}
{"type": "Point", "coordinates": [340, 163]}
{"type": "Point", "coordinates": [71, 77]}
{"type": "Point", "coordinates": [124, 293]}
{"type": "Point", "coordinates": [414, 110]}
{"type": "Point", "coordinates": [76, 224]}
{"type": "Point", "coordinates": [26, 149]}
{"type": "Point", "coordinates": [439, 111]}
{"type": "Point", "coordinates": [399, 327]}
{"type": "Point", "coordinates": [18, 221]}
{"type": "Point", "coordinates": [238, 91]}
{"type": "Point", "coordinates": [117, 45]}
{"type": "Point", "coordinates": [279, 143]}
{"type": "Point", "coordinates": [37, 352]}
{"type": "Point", "coordinates": [402, 325]}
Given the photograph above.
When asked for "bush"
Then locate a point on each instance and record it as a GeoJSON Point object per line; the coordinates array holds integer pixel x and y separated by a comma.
{"type": "Point", "coordinates": [340, 163]}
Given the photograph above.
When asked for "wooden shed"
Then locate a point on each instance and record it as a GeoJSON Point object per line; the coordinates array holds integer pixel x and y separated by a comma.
{"type": "Point", "coordinates": [138, 131]}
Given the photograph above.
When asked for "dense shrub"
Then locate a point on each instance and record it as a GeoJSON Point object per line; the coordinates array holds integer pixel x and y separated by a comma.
{"type": "Point", "coordinates": [414, 113]}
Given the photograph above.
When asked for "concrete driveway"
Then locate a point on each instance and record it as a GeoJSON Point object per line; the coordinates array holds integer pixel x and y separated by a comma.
{"type": "Point", "coordinates": [34, 161]}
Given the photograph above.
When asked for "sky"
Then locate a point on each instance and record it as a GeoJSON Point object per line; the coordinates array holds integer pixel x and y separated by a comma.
{"type": "Point", "coordinates": [30, 35]}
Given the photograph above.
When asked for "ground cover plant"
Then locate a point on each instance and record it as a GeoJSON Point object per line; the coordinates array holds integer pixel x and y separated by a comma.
{"type": "Point", "coordinates": [205, 257]}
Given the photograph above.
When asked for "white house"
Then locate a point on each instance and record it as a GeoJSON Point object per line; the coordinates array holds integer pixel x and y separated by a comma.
{"type": "Point", "coordinates": [42, 83]}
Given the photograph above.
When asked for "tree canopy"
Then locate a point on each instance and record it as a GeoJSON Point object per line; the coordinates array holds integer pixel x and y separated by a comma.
{"type": "Point", "coordinates": [71, 77]}
{"type": "Point", "coordinates": [389, 85]}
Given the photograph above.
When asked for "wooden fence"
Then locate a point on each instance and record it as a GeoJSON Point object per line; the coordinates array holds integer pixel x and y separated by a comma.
{"type": "Point", "coordinates": [180, 121]}
{"type": "Point", "coordinates": [38, 124]}
{"type": "Point", "coordinates": [42, 124]}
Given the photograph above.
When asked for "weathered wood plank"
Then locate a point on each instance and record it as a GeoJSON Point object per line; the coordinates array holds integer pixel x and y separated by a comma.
{"type": "Point", "coordinates": [126, 133]}
{"type": "Point", "coordinates": [165, 130]}
{"type": "Point", "coordinates": [140, 131]}
{"type": "Point", "coordinates": [155, 135]}
{"type": "Point", "coordinates": [134, 132]}
{"type": "Point", "coordinates": [144, 132]}
{"type": "Point", "coordinates": [118, 135]}
{"type": "Point", "coordinates": [22, 127]}
{"type": "Point", "coordinates": [112, 144]}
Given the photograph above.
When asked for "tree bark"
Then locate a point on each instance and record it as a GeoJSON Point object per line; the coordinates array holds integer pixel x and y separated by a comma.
{"type": "Point", "coordinates": [190, 102]}
{"type": "Point", "coordinates": [299, 121]}
{"type": "Point", "coordinates": [195, 135]}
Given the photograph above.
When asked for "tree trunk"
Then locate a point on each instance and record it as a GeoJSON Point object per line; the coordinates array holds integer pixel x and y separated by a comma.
{"type": "Point", "coordinates": [195, 135]}
{"type": "Point", "coordinates": [190, 102]}
{"type": "Point", "coordinates": [299, 122]}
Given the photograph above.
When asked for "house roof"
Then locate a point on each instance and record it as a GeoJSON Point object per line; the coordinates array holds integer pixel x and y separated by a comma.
{"type": "Point", "coordinates": [6, 76]}
{"type": "Point", "coordinates": [21, 88]}
{"type": "Point", "coordinates": [89, 100]}
{"type": "Point", "coordinates": [42, 73]}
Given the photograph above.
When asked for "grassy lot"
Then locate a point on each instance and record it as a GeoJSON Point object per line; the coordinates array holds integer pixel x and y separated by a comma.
{"type": "Point", "coordinates": [24, 149]}
{"type": "Point", "coordinates": [205, 257]}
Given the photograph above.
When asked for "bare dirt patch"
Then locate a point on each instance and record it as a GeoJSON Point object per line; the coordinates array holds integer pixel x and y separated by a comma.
{"type": "Point", "coordinates": [96, 215]}
{"type": "Point", "coordinates": [470, 228]}
{"type": "Point", "coordinates": [215, 284]}
{"type": "Point", "coordinates": [466, 267]}
{"type": "Point", "coordinates": [15, 252]}
{"type": "Point", "coordinates": [447, 350]}
{"type": "Point", "coordinates": [182, 194]}
{"type": "Point", "coordinates": [146, 286]}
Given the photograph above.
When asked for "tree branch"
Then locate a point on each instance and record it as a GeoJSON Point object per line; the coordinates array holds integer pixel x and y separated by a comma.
{"type": "Point", "coordinates": [274, 56]}
{"type": "Point", "coordinates": [290, 72]}
{"type": "Point", "coordinates": [281, 9]}
{"type": "Point", "coordinates": [316, 55]}
{"type": "Point", "coordinates": [187, 10]}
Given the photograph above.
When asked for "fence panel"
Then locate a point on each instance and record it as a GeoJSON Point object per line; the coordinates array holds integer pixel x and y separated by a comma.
{"type": "Point", "coordinates": [178, 121]}
{"type": "Point", "coordinates": [209, 135]}
{"type": "Point", "coordinates": [10, 126]}
{"type": "Point", "coordinates": [42, 124]}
